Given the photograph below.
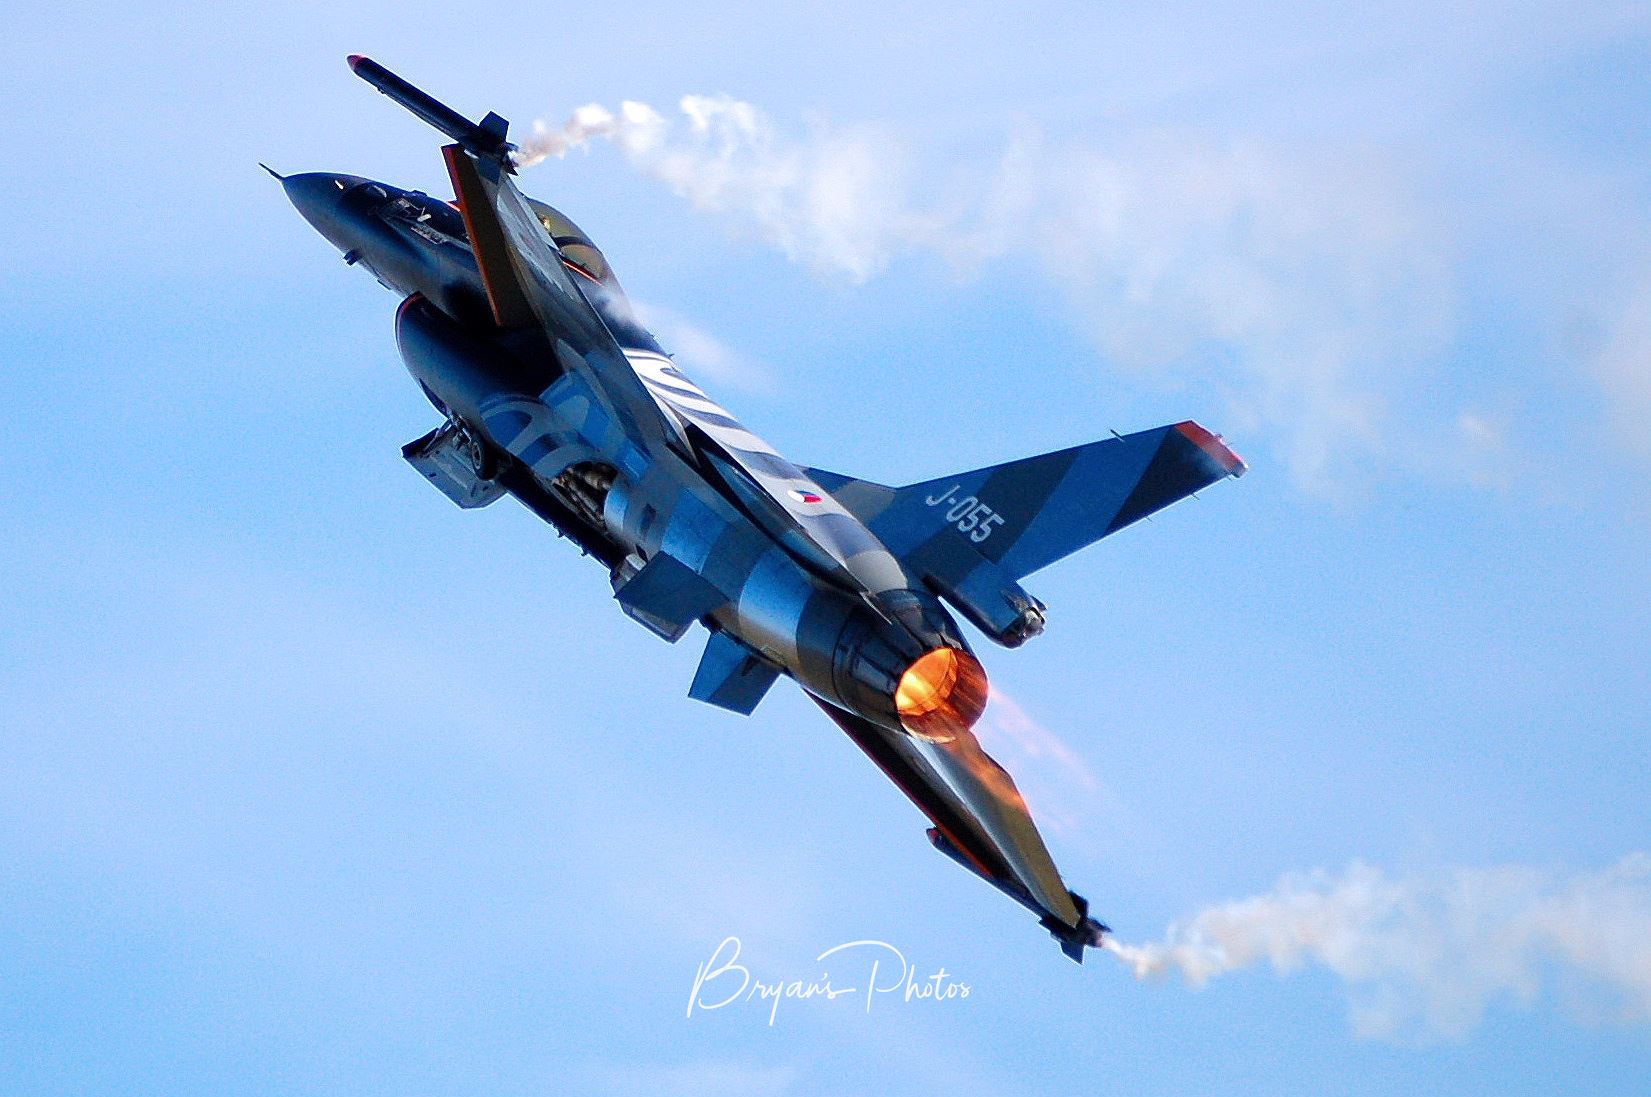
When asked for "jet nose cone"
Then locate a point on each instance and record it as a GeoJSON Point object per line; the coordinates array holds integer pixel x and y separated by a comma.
{"type": "Point", "coordinates": [315, 191]}
{"type": "Point", "coordinates": [319, 196]}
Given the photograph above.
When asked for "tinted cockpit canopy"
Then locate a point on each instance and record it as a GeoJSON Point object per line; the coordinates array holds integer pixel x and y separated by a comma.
{"type": "Point", "coordinates": [583, 256]}
{"type": "Point", "coordinates": [576, 247]}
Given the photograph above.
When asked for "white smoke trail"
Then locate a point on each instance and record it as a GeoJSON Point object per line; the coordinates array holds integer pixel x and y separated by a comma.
{"type": "Point", "coordinates": [1434, 951]}
{"type": "Point", "coordinates": [1306, 287]}
{"type": "Point", "coordinates": [830, 203]}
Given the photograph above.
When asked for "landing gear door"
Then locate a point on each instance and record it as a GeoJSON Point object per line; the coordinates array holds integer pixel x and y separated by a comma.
{"type": "Point", "coordinates": [452, 460]}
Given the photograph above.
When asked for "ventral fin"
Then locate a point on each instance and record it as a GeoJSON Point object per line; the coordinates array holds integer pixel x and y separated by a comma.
{"type": "Point", "coordinates": [731, 675]}
{"type": "Point", "coordinates": [666, 596]}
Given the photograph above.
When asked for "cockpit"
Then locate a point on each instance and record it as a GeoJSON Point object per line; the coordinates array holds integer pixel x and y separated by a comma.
{"type": "Point", "coordinates": [440, 222]}
{"type": "Point", "coordinates": [431, 218]}
{"type": "Point", "coordinates": [598, 281]}
{"type": "Point", "coordinates": [435, 218]}
{"type": "Point", "coordinates": [575, 246]}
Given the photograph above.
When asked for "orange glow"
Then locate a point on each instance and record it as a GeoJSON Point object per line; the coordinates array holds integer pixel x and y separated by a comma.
{"type": "Point", "coordinates": [941, 693]}
{"type": "Point", "coordinates": [927, 683]}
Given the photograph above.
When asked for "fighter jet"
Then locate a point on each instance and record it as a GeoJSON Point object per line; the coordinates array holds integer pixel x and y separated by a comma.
{"type": "Point", "coordinates": [551, 391]}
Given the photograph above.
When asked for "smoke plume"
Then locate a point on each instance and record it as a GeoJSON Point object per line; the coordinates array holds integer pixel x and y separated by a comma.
{"type": "Point", "coordinates": [1304, 286]}
{"type": "Point", "coordinates": [1432, 953]}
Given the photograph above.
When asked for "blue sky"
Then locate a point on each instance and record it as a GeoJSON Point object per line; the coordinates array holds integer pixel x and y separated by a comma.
{"type": "Point", "coordinates": [313, 783]}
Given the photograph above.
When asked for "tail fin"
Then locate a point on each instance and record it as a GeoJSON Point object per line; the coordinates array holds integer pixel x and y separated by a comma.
{"type": "Point", "coordinates": [974, 534]}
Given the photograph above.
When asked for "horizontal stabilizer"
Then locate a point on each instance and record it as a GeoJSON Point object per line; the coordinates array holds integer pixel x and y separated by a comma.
{"type": "Point", "coordinates": [731, 675]}
{"type": "Point", "coordinates": [667, 596]}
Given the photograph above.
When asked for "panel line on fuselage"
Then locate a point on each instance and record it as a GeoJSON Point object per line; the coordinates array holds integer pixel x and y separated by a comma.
{"type": "Point", "coordinates": [823, 520]}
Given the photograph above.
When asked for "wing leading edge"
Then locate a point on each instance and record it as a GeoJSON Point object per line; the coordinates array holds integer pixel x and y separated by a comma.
{"type": "Point", "coordinates": [529, 286]}
{"type": "Point", "coordinates": [980, 821]}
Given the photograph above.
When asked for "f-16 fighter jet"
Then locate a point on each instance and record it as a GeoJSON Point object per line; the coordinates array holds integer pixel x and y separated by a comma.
{"type": "Point", "coordinates": [515, 327]}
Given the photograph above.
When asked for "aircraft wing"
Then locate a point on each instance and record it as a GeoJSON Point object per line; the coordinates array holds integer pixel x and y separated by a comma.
{"type": "Point", "coordinates": [1024, 515]}
{"type": "Point", "coordinates": [980, 820]}
{"type": "Point", "coordinates": [528, 286]}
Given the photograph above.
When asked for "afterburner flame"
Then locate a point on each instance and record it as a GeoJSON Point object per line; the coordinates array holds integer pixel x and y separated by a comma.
{"type": "Point", "coordinates": [942, 692]}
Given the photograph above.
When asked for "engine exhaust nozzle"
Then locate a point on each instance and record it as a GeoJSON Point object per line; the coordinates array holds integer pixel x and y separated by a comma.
{"type": "Point", "coordinates": [942, 693]}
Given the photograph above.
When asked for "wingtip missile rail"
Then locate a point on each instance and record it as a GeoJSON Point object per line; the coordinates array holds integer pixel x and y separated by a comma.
{"type": "Point", "coordinates": [484, 139]}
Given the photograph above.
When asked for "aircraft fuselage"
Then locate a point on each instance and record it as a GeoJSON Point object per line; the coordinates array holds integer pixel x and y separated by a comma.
{"type": "Point", "coordinates": [541, 432]}
{"type": "Point", "coordinates": [514, 326]}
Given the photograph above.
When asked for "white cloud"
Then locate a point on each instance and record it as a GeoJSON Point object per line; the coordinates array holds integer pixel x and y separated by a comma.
{"type": "Point", "coordinates": [1624, 369]}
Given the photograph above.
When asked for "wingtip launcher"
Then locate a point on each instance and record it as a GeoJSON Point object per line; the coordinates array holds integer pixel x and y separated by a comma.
{"type": "Point", "coordinates": [484, 139]}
